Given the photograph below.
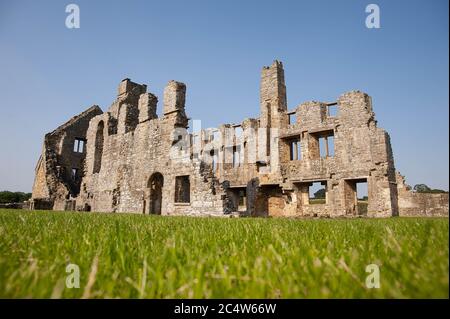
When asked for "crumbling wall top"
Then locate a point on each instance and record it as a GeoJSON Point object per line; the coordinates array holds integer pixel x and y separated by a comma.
{"type": "Point", "coordinates": [174, 96]}
{"type": "Point", "coordinates": [126, 86]}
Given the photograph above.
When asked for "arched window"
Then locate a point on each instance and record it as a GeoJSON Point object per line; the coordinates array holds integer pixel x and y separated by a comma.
{"type": "Point", "coordinates": [98, 147]}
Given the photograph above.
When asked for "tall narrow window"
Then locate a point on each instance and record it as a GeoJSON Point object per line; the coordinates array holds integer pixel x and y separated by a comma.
{"type": "Point", "coordinates": [98, 148]}
{"type": "Point", "coordinates": [295, 150]}
{"type": "Point", "coordinates": [238, 131]}
{"type": "Point", "coordinates": [292, 116]}
{"type": "Point", "coordinates": [236, 156]}
{"type": "Point", "coordinates": [326, 145]}
{"type": "Point", "coordinates": [74, 174]}
{"type": "Point", "coordinates": [332, 110]}
{"type": "Point", "coordinates": [78, 145]}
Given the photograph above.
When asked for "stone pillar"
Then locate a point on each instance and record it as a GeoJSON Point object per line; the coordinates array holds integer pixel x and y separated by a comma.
{"type": "Point", "coordinates": [174, 97]}
{"type": "Point", "coordinates": [273, 106]}
{"type": "Point", "coordinates": [273, 94]}
{"type": "Point", "coordinates": [147, 107]}
{"type": "Point", "coordinates": [174, 103]}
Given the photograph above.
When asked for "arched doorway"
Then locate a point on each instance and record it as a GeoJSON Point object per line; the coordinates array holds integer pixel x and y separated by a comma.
{"type": "Point", "coordinates": [155, 185]}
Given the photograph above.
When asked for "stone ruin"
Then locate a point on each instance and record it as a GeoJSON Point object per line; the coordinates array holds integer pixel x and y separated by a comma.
{"type": "Point", "coordinates": [129, 160]}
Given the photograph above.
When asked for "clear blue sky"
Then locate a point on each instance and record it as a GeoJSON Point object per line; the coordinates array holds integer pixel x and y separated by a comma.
{"type": "Point", "coordinates": [49, 73]}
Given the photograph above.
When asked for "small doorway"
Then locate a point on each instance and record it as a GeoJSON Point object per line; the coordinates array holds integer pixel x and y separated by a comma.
{"type": "Point", "coordinates": [356, 196]}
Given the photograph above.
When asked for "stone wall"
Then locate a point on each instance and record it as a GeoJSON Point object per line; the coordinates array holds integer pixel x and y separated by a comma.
{"type": "Point", "coordinates": [59, 170]}
{"type": "Point", "coordinates": [413, 204]}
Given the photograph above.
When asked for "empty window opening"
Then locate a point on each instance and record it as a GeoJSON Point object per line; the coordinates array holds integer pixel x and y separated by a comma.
{"type": "Point", "coordinates": [182, 189]}
{"type": "Point", "coordinates": [292, 116]}
{"type": "Point", "coordinates": [317, 193]}
{"type": "Point", "coordinates": [238, 131]}
{"type": "Point", "coordinates": [295, 150]}
{"type": "Point", "coordinates": [98, 148]}
{"type": "Point", "coordinates": [78, 145]}
{"type": "Point", "coordinates": [332, 110]}
{"type": "Point", "coordinates": [326, 146]}
{"type": "Point", "coordinates": [236, 156]}
{"type": "Point", "coordinates": [74, 174]}
{"type": "Point", "coordinates": [321, 144]}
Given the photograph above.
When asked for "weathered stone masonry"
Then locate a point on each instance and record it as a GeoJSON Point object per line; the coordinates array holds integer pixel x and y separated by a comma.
{"type": "Point", "coordinates": [132, 161]}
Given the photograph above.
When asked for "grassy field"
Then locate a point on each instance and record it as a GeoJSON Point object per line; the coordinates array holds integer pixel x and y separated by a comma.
{"type": "Point", "coordinates": [135, 256]}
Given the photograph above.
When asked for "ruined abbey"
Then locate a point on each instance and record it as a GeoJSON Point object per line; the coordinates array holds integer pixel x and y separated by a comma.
{"type": "Point", "coordinates": [128, 159]}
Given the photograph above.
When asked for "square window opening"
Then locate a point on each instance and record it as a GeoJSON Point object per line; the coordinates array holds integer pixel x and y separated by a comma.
{"type": "Point", "coordinates": [332, 110]}
{"type": "Point", "coordinates": [317, 193]}
{"type": "Point", "coordinates": [321, 144]}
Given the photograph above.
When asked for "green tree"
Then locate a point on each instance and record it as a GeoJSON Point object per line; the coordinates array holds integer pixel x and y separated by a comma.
{"type": "Point", "coordinates": [320, 193]}
{"type": "Point", "coordinates": [422, 188]}
{"type": "Point", "coordinates": [13, 197]}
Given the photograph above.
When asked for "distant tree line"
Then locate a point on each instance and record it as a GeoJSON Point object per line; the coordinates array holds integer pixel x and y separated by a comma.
{"type": "Point", "coordinates": [422, 188]}
{"type": "Point", "coordinates": [13, 197]}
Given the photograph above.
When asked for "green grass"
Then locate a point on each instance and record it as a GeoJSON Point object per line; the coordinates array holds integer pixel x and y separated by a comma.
{"type": "Point", "coordinates": [314, 201]}
{"type": "Point", "coordinates": [136, 256]}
